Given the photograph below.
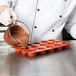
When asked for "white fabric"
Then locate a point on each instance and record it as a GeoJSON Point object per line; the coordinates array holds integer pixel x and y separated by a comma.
{"type": "Point", "coordinates": [71, 24]}
{"type": "Point", "coordinates": [73, 31]}
{"type": "Point", "coordinates": [47, 19]}
{"type": "Point", "coordinates": [5, 17]}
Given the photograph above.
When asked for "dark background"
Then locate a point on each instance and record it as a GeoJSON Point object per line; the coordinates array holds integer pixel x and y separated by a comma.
{"type": "Point", "coordinates": [66, 35]}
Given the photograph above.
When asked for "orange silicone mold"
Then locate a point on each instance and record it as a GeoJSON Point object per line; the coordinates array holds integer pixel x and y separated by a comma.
{"type": "Point", "coordinates": [42, 47]}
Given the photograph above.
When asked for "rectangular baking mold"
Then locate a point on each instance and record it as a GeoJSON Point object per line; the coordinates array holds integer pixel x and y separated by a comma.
{"type": "Point", "coordinates": [43, 47]}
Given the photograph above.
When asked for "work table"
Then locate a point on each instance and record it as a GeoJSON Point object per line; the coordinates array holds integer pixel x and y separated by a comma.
{"type": "Point", "coordinates": [58, 64]}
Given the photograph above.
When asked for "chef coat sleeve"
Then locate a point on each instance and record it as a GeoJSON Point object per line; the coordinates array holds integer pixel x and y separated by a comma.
{"type": "Point", "coordinates": [9, 3]}
{"type": "Point", "coordinates": [71, 24]}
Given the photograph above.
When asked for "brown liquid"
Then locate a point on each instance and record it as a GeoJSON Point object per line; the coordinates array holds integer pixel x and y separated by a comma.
{"type": "Point", "coordinates": [19, 34]}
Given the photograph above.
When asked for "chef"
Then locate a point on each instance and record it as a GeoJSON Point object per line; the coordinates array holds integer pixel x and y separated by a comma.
{"type": "Point", "coordinates": [45, 18]}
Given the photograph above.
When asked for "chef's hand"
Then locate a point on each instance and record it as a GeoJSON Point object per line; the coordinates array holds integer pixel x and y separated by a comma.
{"type": "Point", "coordinates": [7, 16]}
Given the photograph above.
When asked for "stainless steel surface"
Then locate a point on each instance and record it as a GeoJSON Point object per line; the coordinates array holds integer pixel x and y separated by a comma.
{"type": "Point", "coordinates": [4, 47]}
{"type": "Point", "coordinates": [58, 64]}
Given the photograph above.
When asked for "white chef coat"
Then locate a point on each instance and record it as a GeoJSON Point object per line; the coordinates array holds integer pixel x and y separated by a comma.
{"type": "Point", "coordinates": [45, 18]}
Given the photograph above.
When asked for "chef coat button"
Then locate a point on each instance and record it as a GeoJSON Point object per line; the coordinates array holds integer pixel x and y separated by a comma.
{"type": "Point", "coordinates": [53, 30]}
{"type": "Point", "coordinates": [60, 16]}
{"type": "Point", "coordinates": [35, 26]}
{"type": "Point", "coordinates": [38, 9]}
{"type": "Point", "coordinates": [65, 0]}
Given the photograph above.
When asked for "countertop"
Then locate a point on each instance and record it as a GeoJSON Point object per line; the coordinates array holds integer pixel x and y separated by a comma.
{"type": "Point", "coordinates": [58, 64]}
